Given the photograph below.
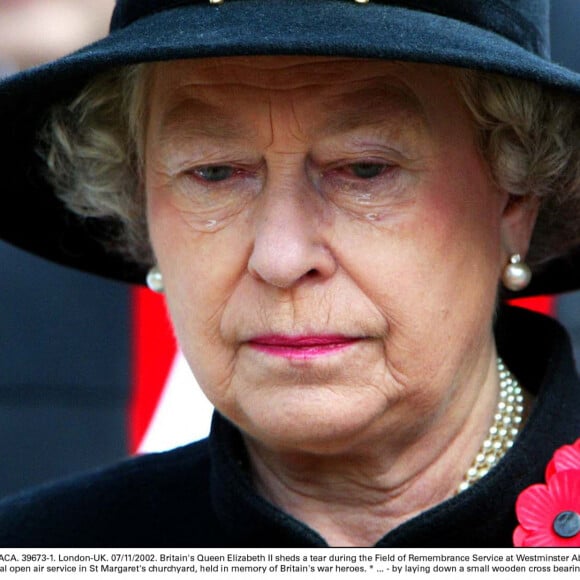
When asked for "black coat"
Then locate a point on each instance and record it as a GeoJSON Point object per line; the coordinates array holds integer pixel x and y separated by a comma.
{"type": "Point", "coordinates": [200, 495]}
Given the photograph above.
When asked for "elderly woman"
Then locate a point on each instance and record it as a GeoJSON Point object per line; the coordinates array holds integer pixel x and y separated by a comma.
{"type": "Point", "coordinates": [330, 193]}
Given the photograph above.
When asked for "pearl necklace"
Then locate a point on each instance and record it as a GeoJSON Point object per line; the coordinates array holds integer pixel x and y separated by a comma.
{"type": "Point", "coordinates": [507, 422]}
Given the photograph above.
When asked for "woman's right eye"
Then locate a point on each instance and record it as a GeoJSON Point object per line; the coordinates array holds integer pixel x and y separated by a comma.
{"type": "Point", "coordinates": [213, 173]}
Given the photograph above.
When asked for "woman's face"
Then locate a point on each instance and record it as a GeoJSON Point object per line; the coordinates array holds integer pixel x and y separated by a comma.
{"type": "Point", "coordinates": [330, 241]}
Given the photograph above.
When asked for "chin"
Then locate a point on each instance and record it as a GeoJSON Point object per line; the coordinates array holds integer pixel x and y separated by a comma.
{"type": "Point", "coordinates": [310, 424]}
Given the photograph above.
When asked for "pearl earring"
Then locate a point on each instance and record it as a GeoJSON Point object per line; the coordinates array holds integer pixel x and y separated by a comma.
{"type": "Point", "coordinates": [155, 280]}
{"type": "Point", "coordinates": [517, 274]}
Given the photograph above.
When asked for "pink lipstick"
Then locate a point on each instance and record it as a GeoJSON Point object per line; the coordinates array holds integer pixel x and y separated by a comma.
{"type": "Point", "coordinates": [301, 347]}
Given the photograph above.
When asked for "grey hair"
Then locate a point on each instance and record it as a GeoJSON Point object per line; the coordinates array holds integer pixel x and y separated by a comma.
{"type": "Point", "coordinates": [529, 135]}
{"type": "Point", "coordinates": [94, 156]}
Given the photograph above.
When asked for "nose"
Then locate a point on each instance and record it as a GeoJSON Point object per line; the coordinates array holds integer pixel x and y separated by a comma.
{"type": "Point", "coordinates": [290, 243]}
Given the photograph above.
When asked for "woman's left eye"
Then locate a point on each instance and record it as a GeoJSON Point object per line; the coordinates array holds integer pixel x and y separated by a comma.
{"type": "Point", "coordinates": [214, 173]}
{"type": "Point", "coordinates": [367, 170]}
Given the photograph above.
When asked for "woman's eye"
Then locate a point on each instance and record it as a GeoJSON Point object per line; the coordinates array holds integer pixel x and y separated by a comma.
{"type": "Point", "coordinates": [367, 170]}
{"type": "Point", "coordinates": [214, 173]}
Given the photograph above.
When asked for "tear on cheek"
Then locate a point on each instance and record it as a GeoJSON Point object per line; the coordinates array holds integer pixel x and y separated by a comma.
{"type": "Point", "coordinates": [204, 223]}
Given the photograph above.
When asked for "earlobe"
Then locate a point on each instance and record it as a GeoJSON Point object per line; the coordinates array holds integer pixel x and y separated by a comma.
{"type": "Point", "coordinates": [518, 221]}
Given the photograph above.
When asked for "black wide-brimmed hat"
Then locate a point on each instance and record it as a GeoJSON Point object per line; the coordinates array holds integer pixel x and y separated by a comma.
{"type": "Point", "coordinates": [504, 36]}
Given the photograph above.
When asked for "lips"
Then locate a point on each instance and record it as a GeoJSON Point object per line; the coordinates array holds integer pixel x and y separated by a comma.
{"type": "Point", "coordinates": [302, 347]}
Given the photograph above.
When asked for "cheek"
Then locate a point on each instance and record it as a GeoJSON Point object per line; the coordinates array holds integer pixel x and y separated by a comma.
{"type": "Point", "coordinates": [200, 271]}
{"type": "Point", "coordinates": [460, 233]}
{"type": "Point", "coordinates": [434, 272]}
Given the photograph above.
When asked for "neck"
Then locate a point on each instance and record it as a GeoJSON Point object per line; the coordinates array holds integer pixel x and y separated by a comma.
{"type": "Point", "coordinates": [355, 496]}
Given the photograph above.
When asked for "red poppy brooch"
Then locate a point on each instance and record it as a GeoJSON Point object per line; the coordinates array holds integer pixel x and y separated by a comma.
{"type": "Point", "coordinates": [549, 515]}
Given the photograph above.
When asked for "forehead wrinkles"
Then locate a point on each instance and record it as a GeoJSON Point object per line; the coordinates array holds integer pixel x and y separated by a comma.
{"type": "Point", "coordinates": [277, 72]}
{"type": "Point", "coordinates": [358, 99]}
{"type": "Point", "coordinates": [319, 74]}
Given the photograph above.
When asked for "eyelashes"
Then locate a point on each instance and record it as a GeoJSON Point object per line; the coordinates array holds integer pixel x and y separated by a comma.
{"type": "Point", "coordinates": [218, 175]}
{"type": "Point", "coordinates": [212, 193]}
{"type": "Point", "coordinates": [365, 170]}
{"type": "Point", "coordinates": [213, 173]}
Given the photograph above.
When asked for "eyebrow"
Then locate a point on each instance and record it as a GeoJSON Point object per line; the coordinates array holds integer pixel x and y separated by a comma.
{"type": "Point", "coordinates": [194, 117]}
{"type": "Point", "coordinates": [373, 107]}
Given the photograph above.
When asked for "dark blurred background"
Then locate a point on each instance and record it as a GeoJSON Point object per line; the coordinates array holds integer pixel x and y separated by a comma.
{"type": "Point", "coordinates": [566, 51]}
{"type": "Point", "coordinates": [65, 337]}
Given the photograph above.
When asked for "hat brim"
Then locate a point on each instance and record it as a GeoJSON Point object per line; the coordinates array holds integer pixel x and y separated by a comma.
{"type": "Point", "coordinates": [35, 220]}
